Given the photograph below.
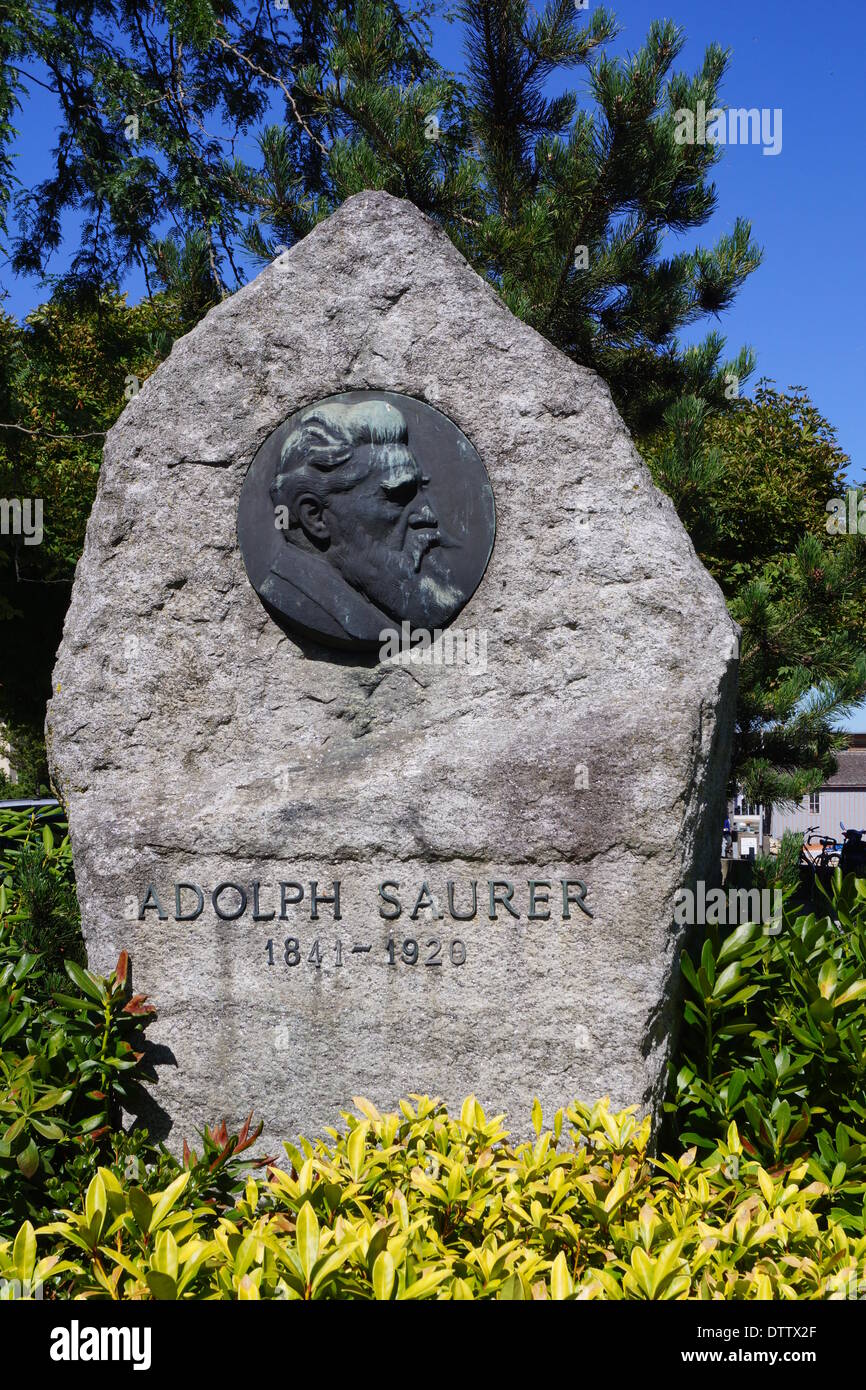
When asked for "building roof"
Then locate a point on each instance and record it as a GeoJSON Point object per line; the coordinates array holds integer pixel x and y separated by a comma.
{"type": "Point", "coordinates": [851, 772]}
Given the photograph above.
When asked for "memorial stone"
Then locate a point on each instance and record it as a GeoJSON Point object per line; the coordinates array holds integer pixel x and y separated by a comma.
{"type": "Point", "coordinates": [393, 704]}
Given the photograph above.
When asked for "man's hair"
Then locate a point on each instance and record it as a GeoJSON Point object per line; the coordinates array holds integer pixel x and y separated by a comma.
{"type": "Point", "coordinates": [320, 455]}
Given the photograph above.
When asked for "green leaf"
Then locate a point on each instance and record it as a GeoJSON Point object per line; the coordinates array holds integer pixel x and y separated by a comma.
{"type": "Point", "coordinates": [326, 1267]}
{"type": "Point", "coordinates": [561, 1283]}
{"type": "Point", "coordinates": [821, 1010]}
{"type": "Point", "coordinates": [426, 1284]}
{"type": "Point", "coordinates": [537, 1117]}
{"type": "Point", "coordinates": [162, 1286]}
{"type": "Point", "coordinates": [24, 1252]}
{"type": "Point", "coordinates": [708, 964]}
{"type": "Point", "coordinates": [512, 1290]}
{"type": "Point", "coordinates": [245, 1254]}
{"type": "Point", "coordinates": [96, 1200]}
{"type": "Point", "coordinates": [355, 1145]}
{"type": "Point", "coordinates": [85, 981]}
{"type": "Point", "coordinates": [52, 1098]}
{"type": "Point", "coordinates": [165, 1254]}
{"type": "Point", "coordinates": [735, 1087]}
{"type": "Point", "coordinates": [307, 1239]}
{"type": "Point", "coordinates": [28, 1160]}
{"type": "Point", "coordinates": [689, 971]}
{"type": "Point", "coordinates": [853, 991]}
{"type": "Point", "coordinates": [164, 1201]}
{"type": "Point", "coordinates": [383, 1276]}
{"type": "Point", "coordinates": [47, 1128]}
{"type": "Point", "coordinates": [69, 1001]}
{"type": "Point", "coordinates": [738, 942]}
{"type": "Point", "coordinates": [15, 1129]}
{"type": "Point", "coordinates": [827, 979]}
{"type": "Point", "coordinates": [728, 980]}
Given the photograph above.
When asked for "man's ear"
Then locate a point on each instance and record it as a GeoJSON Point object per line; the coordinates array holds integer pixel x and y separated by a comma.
{"type": "Point", "coordinates": [312, 516]}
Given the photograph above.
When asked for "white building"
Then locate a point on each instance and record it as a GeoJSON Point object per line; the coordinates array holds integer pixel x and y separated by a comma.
{"type": "Point", "coordinates": [841, 799]}
{"type": "Point", "coordinates": [5, 750]}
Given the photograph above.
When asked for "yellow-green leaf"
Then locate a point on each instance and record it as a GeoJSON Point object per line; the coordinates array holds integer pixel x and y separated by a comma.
{"type": "Point", "coordinates": [167, 1199]}
{"type": "Point", "coordinates": [561, 1282]}
{"type": "Point", "coordinates": [383, 1276]}
{"type": "Point", "coordinates": [537, 1116]}
{"type": "Point", "coordinates": [307, 1239]}
{"type": "Point", "coordinates": [355, 1146]}
{"type": "Point", "coordinates": [24, 1252]}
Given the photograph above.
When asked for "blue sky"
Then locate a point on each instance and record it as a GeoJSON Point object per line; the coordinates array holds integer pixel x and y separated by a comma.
{"type": "Point", "coordinates": [804, 310]}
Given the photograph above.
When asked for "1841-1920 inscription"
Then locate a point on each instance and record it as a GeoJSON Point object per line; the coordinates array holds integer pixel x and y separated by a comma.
{"type": "Point", "coordinates": [362, 512]}
{"type": "Point", "coordinates": [409, 945]}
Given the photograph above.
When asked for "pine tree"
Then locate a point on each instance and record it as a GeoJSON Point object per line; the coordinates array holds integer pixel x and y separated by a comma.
{"type": "Point", "coordinates": [801, 669]}
{"type": "Point", "coordinates": [752, 486]}
{"type": "Point", "coordinates": [565, 210]}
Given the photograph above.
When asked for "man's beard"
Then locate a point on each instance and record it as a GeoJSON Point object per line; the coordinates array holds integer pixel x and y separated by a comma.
{"type": "Point", "coordinates": [406, 584]}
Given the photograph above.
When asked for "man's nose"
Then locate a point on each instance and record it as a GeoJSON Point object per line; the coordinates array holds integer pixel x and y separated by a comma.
{"type": "Point", "coordinates": [423, 516]}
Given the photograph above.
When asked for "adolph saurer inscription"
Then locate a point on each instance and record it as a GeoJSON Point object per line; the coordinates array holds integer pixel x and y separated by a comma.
{"type": "Point", "coordinates": [539, 901]}
{"type": "Point", "coordinates": [365, 511]}
{"type": "Point", "coordinates": [461, 903]}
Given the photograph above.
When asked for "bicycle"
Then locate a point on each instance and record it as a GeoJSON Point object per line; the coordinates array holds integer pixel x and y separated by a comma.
{"type": "Point", "coordinates": [853, 857]}
{"type": "Point", "coordinates": [829, 856]}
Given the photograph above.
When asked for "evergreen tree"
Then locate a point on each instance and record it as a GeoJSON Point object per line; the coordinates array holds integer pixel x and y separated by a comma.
{"type": "Point", "coordinates": [802, 668]}
{"type": "Point", "coordinates": [752, 488]}
{"type": "Point", "coordinates": [65, 376]}
{"type": "Point", "coordinates": [565, 210]}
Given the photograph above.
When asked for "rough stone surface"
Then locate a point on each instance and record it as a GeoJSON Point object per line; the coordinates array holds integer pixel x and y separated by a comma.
{"type": "Point", "coordinates": [191, 740]}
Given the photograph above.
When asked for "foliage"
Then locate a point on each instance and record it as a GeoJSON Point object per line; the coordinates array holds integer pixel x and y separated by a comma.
{"type": "Point", "coordinates": [767, 1202]}
{"type": "Point", "coordinates": [781, 870]}
{"type": "Point", "coordinates": [750, 481]}
{"type": "Point", "coordinates": [155, 100]}
{"type": "Point", "coordinates": [563, 209]}
{"type": "Point", "coordinates": [775, 1042]}
{"type": "Point", "coordinates": [67, 1061]}
{"type": "Point", "coordinates": [38, 903]}
{"type": "Point", "coordinates": [66, 374]}
{"type": "Point", "coordinates": [802, 667]}
{"type": "Point", "coordinates": [422, 1205]}
{"type": "Point", "coordinates": [71, 1049]}
{"type": "Point", "coordinates": [152, 101]}
{"type": "Point", "coordinates": [23, 744]}
{"type": "Point", "coordinates": [67, 1056]}
{"type": "Point", "coordinates": [751, 486]}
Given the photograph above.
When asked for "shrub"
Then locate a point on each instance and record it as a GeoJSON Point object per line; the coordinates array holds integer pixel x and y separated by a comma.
{"type": "Point", "coordinates": [419, 1204]}
{"type": "Point", "coordinates": [767, 1201]}
{"type": "Point", "coordinates": [72, 1050]}
{"type": "Point", "coordinates": [67, 1061]}
{"type": "Point", "coordinates": [38, 903]}
{"type": "Point", "coordinates": [775, 1039]}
